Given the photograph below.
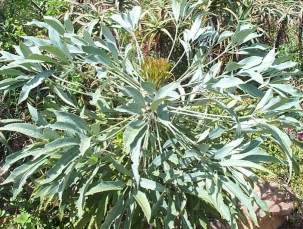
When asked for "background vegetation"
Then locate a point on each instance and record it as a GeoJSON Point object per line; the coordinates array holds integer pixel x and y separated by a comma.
{"type": "Point", "coordinates": [280, 21]}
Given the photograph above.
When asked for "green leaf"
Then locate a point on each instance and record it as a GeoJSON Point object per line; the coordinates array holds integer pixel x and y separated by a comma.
{"type": "Point", "coordinates": [58, 168]}
{"type": "Point", "coordinates": [285, 143]}
{"type": "Point", "coordinates": [178, 8]}
{"type": "Point", "coordinates": [151, 185]}
{"type": "Point", "coordinates": [64, 96]}
{"type": "Point", "coordinates": [267, 61]}
{"type": "Point", "coordinates": [115, 212]}
{"type": "Point", "coordinates": [36, 81]}
{"type": "Point", "coordinates": [105, 186]}
{"type": "Point", "coordinates": [85, 143]}
{"type": "Point", "coordinates": [24, 128]}
{"type": "Point", "coordinates": [228, 82]}
{"type": "Point", "coordinates": [56, 52]}
{"type": "Point", "coordinates": [55, 24]}
{"type": "Point", "coordinates": [68, 24]}
{"type": "Point", "coordinates": [81, 200]}
{"type": "Point", "coordinates": [74, 122]}
{"type": "Point", "coordinates": [268, 95]}
{"type": "Point", "coordinates": [243, 164]}
{"type": "Point", "coordinates": [129, 20]}
{"type": "Point", "coordinates": [36, 116]}
{"type": "Point", "coordinates": [143, 202]}
{"type": "Point", "coordinates": [47, 149]}
{"type": "Point", "coordinates": [133, 136]}
{"type": "Point", "coordinates": [167, 92]}
{"type": "Point", "coordinates": [20, 175]}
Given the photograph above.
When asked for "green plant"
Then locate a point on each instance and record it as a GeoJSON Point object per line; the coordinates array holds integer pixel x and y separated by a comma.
{"type": "Point", "coordinates": [190, 148]}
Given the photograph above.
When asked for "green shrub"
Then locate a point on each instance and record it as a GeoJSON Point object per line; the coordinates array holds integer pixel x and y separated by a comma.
{"type": "Point", "coordinates": [121, 148]}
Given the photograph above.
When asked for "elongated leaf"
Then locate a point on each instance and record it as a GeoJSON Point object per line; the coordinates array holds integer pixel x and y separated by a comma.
{"type": "Point", "coordinates": [116, 211]}
{"type": "Point", "coordinates": [228, 82]}
{"type": "Point", "coordinates": [55, 24]}
{"type": "Point", "coordinates": [105, 186]}
{"type": "Point", "coordinates": [57, 53]}
{"type": "Point", "coordinates": [133, 137]}
{"type": "Point", "coordinates": [47, 149]}
{"type": "Point", "coordinates": [24, 128]}
{"type": "Point", "coordinates": [143, 202]}
{"type": "Point", "coordinates": [36, 116]}
{"type": "Point", "coordinates": [268, 95]}
{"type": "Point", "coordinates": [64, 97]}
{"type": "Point", "coordinates": [151, 185]}
{"type": "Point", "coordinates": [33, 83]}
{"type": "Point", "coordinates": [81, 200]}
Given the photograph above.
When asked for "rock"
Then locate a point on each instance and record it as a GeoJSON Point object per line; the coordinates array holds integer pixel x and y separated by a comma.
{"type": "Point", "coordinates": [280, 203]}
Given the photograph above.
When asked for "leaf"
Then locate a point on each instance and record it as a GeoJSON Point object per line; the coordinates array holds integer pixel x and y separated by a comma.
{"type": "Point", "coordinates": [143, 202]}
{"type": "Point", "coordinates": [244, 199]}
{"type": "Point", "coordinates": [85, 143]}
{"type": "Point", "coordinates": [227, 149]}
{"type": "Point", "coordinates": [81, 200]}
{"type": "Point", "coordinates": [228, 82]}
{"type": "Point", "coordinates": [58, 168]}
{"type": "Point", "coordinates": [115, 212]}
{"type": "Point", "coordinates": [24, 128]}
{"type": "Point", "coordinates": [167, 92]}
{"type": "Point", "coordinates": [285, 143]}
{"type": "Point", "coordinates": [267, 61]}
{"type": "Point", "coordinates": [56, 52]}
{"type": "Point", "coordinates": [64, 97]}
{"type": "Point", "coordinates": [268, 95]}
{"type": "Point", "coordinates": [55, 24]}
{"type": "Point", "coordinates": [223, 36]}
{"type": "Point", "coordinates": [203, 136]}
{"type": "Point", "coordinates": [178, 8]}
{"type": "Point", "coordinates": [245, 33]}
{"type": "Point", "coordinates": [36, 116]}
{"type": "Point", "coordinates": [24, 49]}
{"type": "Point", "coordinates": [287, 89]}
{"type": "Point", "coordinates": [68, 24]}
{"type": "Point", "coordinates": [105, 186]}
{"type": "Point", "coordinates": [21, 174]}
{"type": "Point", "coordinates": [254, 75]}
{"type": "Point", "coordinates": [135, 14]}
{"type": "Point", "coordinates": [76, 123]}
{"type": "Point", "coordinates": [243, 164]}
{"type": "Point", "coordinates": [129, 20]}
{"type": "Point", "coordinates": [133, 137]}
{"type": "Point", "coordinates": [151, 185]}
{"type": "Point", "coordinates": [33, 83]}
{"type": "Point", "coordinates": [284, 66]}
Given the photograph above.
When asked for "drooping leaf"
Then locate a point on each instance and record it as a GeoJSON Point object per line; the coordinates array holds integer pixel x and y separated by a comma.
{"type": "Point", "coordinates": [143, 202]}
{"type": "Point", "coordinates": [36, 81]}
